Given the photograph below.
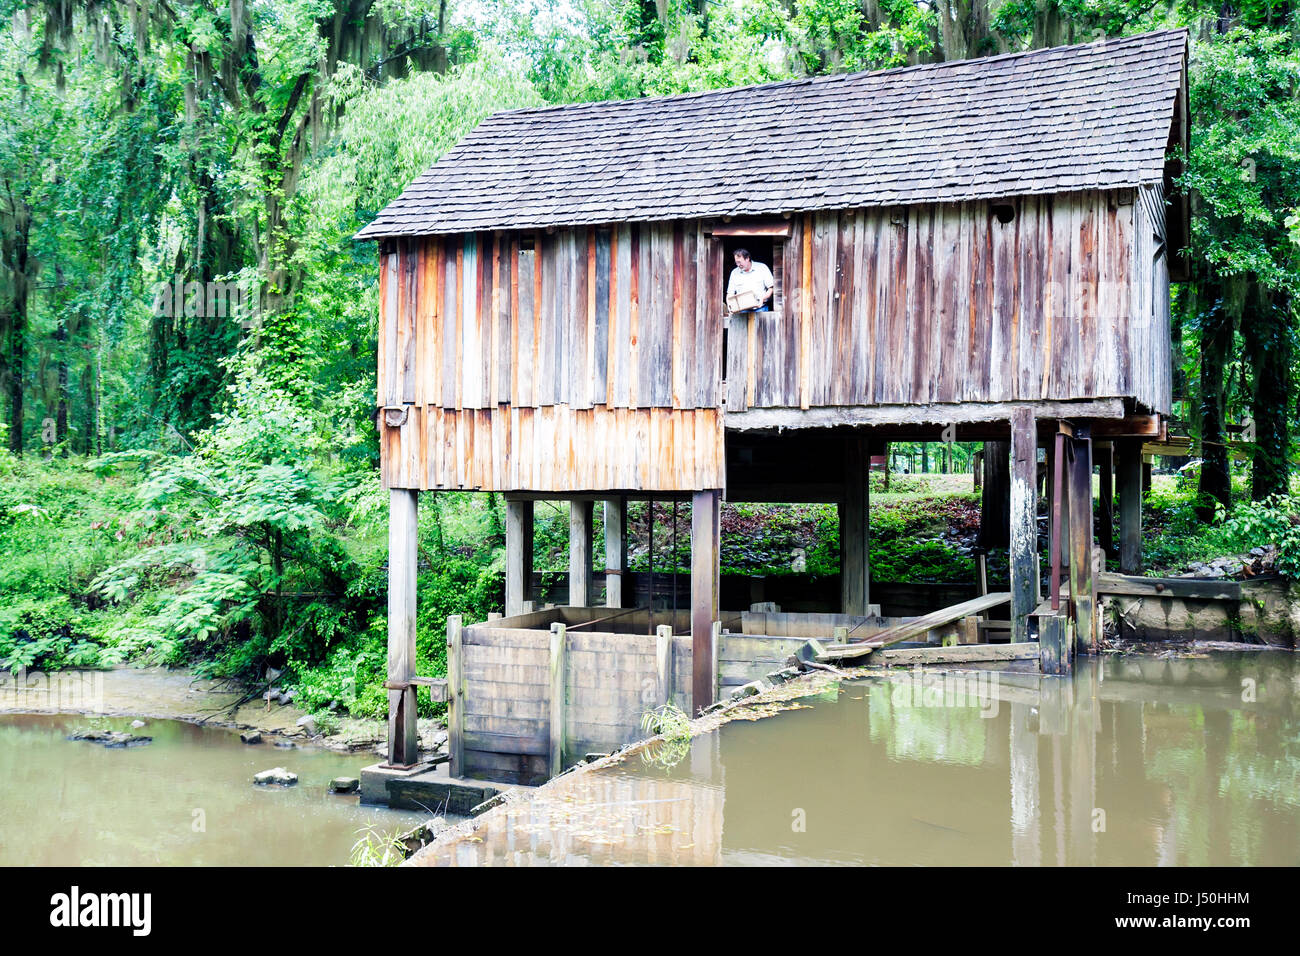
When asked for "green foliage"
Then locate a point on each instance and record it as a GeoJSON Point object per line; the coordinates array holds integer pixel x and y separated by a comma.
{"type": "Point", "coordinates": [231, 516]}
{"type": "Point", "coordinates": [668, 721]}
{"type": "Point", "coordinates": [919, 561]}
{"type": "Point", "coordinates": [374, 847]}
{"type": "Point", "coordinates": [1245, 159]}
{"type": "Point", "coordinates": [1275, 521]}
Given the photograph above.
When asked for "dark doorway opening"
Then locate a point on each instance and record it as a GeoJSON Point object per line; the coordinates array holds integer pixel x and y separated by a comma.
{"type": "Point", "coordinates": [761, 249]}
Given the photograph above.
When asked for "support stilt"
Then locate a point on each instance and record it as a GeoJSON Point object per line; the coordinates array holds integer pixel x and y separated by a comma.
{"type": "Point", "coordinates": [1130, 505]}
{"type": "Point", "coordinates": [704, 594]}
{"type": "Point", "coordinates": [580, 577]}
{"type": "Point", "coordinates": [1104, 456]}
{"type": "Point", "coordinates": [855, 529]}
{"type": "Point", "coordinates": [1083, 596]}
{"type": "Point", "coordinates": [1024, 520]}
{"type": "Point", "coordinates": [519, 556]}
{"type": "Point", "coordinates": [615, 550]}
{"type": "Point", "coordinates": [403, 740]}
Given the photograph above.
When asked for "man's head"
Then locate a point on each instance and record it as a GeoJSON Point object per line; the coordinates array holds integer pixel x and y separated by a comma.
{"type": "Point", "coordinates": [743, 260]}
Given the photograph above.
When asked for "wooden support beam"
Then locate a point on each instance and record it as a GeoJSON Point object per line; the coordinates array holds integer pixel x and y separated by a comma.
{"type": "Point", "coordinates": [1055, 655]}
{"type": "Point", "coordinates": [1104, 456]}
{"type": "Point", "coordinates": [1083, 596]}
{"type": "Point", "coordinates": [615, 550]}
{"type": "Point", "coordinates": [1194, 588]}
{"type": "Point", "coordinates": [939, 416]}
{"type": "Point", "coordinates": [455, 696]}
{"type": "Point", "coordinates": [403, 737]}
{"type": "Point", "coordinates": [1024, 521]}
{"type": "Point", "coordinates": [581, 580]}
{"type": "Point", "coordinates": [663, 664]}
{"type": "Point", "coordinates": [1140, 426]}
{"type": "Point", "coordinates": [1130, 505]}
{"type": "Point", "coordinates": [715, 648]}
{"type": "Point", "coordinates": [559, 649]}
{"type": "Point", "coordinates": [704, 594]}
{"type": "Point", "coordinates": [519, 556]}
{"type": "Point", "coordinates": [855, 528]}
{"type": "Point", "coordinates": [995, 508]}
{"type": "Point", "coordinates": [915, 627]}
{"type": "Point", "coordinates": [955, 654]}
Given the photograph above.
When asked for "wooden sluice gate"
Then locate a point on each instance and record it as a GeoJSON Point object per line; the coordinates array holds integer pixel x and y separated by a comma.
{"type": "Point", "coordinates": [533, 694]}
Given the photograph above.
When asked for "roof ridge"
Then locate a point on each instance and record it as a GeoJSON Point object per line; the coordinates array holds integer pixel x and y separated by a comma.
{"type": "Point", "coordinates": [826, 79]}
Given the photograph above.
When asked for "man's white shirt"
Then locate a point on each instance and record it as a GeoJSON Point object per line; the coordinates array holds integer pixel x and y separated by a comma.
{"type": "Point", "coordinates": [757, 280]}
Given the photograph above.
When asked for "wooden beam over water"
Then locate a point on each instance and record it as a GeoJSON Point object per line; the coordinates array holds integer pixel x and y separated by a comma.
{"type": "Point", "coordinates": [705, 533]}
{"type": "Point", "coordinates": [1024, 521]}
{"type": "Point", "coordinates": [855, 528]}
{"type": "Point", "coordinates": [915, 627]}
{"type": "Point", "coordinates": [403, 738]}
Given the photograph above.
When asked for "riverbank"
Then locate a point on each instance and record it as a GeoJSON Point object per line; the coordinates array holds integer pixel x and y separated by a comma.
{"type": "Point", "coordinates": [158, 693]}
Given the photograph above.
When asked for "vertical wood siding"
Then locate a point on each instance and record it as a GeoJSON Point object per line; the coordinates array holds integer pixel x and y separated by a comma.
{"type": "Point", "coordinates": [591, 358]}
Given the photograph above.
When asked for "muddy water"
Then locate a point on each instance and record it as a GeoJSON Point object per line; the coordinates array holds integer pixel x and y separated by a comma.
{"type": "Point", "coordinates": [185, 799]}
{"type": "Point", "coordinates": [1140, 761]}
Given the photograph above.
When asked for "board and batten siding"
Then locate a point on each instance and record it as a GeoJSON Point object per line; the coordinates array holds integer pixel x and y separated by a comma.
{"type": "Point", "coordinates": [583, 359]}
{"type": "Point", "coordinates": [591, 359]}
{"type": "Point", "coordinates": [946, 304]}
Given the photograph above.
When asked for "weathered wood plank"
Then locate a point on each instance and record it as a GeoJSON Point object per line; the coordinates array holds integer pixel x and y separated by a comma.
{"type": "Point", "coordinates": [957, 654]}
{"type": "Point", "coordinates": [917, 626]}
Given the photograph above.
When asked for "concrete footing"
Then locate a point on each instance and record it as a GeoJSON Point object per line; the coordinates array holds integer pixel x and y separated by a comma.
{"type": "Point", "coordinates": [425, 787]}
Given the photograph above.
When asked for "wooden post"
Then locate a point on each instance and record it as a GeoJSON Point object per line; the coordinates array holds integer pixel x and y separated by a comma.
{"type": "Point", "coordinates": [855, 528]}
{"type": "Point", "coordinates": [704, 594]}
{"type": "Point", "coordinates": [580, 578]}
{"type": "Point", "coordinates": [1104, 456]}
{"type": "Point", "coordinates": [1083, 597]}
{"type": "Point", "coordinates": [995, 507]}
{"type": "Point", "coordinates": [1056, 514]}
{"type": "Point", "coordinates": [715, 648]}
{"type": "Point", "coordinates": [1130, 505]}
{"type": "Point", "coordinates": [1024, 520]}
{"type": "Point", "coordinates": [519, 556]}
{"type": "Point", "coordinates": [559, 640]}
{"type": "Point", "coordinates": [663, 664]}
{"type": "Point", "coordinates": [455, 696]}
{"type": "Point", "coordinates": [403, 738]}
{"type": "Point", "coordinates": [615, 550]}
{"type": "Point", "coordinates": [1054, 643]}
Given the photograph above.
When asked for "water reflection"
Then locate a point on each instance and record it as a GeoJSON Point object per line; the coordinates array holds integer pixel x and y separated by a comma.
{"type": "Point", "coordinates": [1140, 760]}
{"type": "Point", "coordinates": [185, 799]}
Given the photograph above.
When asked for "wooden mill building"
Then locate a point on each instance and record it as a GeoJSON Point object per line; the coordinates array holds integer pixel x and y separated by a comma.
{"type": "Point", "coordinates": [975, 250]}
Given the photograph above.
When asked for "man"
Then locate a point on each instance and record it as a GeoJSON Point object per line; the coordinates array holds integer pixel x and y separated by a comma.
{"type": "Point", "coordinates": [751, 276]}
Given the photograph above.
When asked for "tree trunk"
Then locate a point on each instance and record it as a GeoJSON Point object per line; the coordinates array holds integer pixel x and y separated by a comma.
{"type": "Point", "coordinates": [1266, 329]}
{"type": "Point", "coordinates": [1216, 340]}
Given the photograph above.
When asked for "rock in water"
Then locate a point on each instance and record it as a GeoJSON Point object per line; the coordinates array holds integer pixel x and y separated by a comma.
{"type": "Point", "coordinates": [345, 785]}
{"type": "Point", "coordinates": [137, 724]}
{"type": "Point", "coordinates": [276, 776]}
{"type": "Point", "coordinates": [308, 725]}
{"type": "Point", "coordinates": [251, 737]}
{"type": "Point", "coordinates": [110, 738]}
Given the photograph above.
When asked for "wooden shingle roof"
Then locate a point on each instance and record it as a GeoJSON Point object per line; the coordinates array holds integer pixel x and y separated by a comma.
{"type": "Point", "coordinates": [1044, 121]}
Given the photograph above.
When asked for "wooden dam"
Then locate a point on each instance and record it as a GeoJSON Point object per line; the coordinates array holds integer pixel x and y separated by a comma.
{"type": "Point", "coordinates": [969, 251]}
